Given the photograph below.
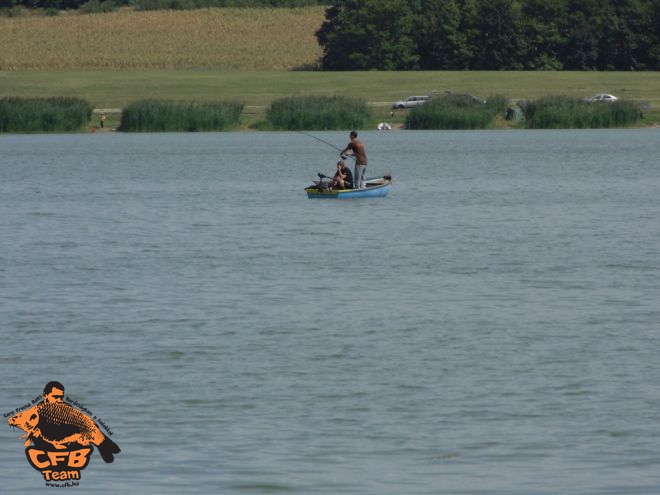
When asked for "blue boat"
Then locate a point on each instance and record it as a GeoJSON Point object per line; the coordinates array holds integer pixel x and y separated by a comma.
{"type": "Point", "coordinates": [377, 187]}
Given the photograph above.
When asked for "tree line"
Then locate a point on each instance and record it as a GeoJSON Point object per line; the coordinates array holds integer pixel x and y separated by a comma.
{"type": "Point", "coordinates": [491, 35]}
{"type": "Point", "coordinates": [457, 34]}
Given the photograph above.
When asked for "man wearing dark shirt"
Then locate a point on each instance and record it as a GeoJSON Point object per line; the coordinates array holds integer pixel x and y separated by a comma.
{"type": "Point", "coordinates": [343, 178]}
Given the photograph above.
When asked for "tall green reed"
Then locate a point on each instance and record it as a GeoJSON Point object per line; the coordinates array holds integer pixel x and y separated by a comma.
{"type": "Point", "coordinates": [298, 113]}
{"type": "Point", "coordinates": [171, 116]}
{"type": "Point", "coordinates": [56, 114]}
{"type": "Point", "coordinates": [564, 112]}
{"type": "Point", "coordinates": [456, 112]}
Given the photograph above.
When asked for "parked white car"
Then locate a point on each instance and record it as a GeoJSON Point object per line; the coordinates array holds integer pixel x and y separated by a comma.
{"type": "Point", "coordinates": [603, 97]}
{"type": "Point", "coordinates": [411, 101]}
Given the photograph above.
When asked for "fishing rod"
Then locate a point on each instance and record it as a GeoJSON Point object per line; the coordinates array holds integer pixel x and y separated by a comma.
{"type": "Point", "coordinates": [326, 142]}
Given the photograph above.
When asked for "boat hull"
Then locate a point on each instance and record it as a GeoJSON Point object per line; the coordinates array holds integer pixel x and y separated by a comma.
{"type": "Point", "coordinates": [375, 188]}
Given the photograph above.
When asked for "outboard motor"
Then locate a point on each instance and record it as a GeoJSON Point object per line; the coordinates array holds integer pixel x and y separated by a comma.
{"type": "Point", "coordinates": [324, 182]}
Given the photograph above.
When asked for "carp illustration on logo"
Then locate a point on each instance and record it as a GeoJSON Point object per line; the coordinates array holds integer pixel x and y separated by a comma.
{"type": "Point", "coordinates": [59, 437]}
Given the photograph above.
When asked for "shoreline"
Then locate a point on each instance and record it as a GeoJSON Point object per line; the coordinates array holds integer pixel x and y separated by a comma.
{"type": "Point", "coordinates": [114, 117]}
{"type": "Point", "coordinates": [394, 128]}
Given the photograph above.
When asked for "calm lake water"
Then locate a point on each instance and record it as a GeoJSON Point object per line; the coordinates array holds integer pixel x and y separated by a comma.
{"type": "Point", "coordinates": [491, 327]}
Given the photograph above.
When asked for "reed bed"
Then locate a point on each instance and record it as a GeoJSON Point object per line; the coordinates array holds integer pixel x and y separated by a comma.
{"type": "Point", "coordinates": [297, 113]}
{"type": "Point", "coordinates": [456, 112]}
{"type": "Point", "coordinates": [57, 114]}
{"type": "Point", "coordinates": [214, 38]}
{"type": "Point", "coordinates": [171, 116]}
{"type": "Point", "coordinates": [563, 112]}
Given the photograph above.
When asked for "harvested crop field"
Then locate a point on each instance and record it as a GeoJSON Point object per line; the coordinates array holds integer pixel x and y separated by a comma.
{"type": "Point", "coordinates": [229, 38]}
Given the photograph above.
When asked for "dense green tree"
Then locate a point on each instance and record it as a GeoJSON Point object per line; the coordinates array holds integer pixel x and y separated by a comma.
{"type": "Point", "coordinates": [48, 4]}
{"type": "Point", "coordinates": [492, 34]}
{"type": "Point", "coordinates": [652, 43]}
{"type": "Point", "coordinates": [369, 34]}
{"type": "Point", "coordinates": [440, 41]}
{"type": "Point", "coordinates": [464, 34]}
{"type": "Point", "coordinates": [499, 44]}
{"type": "Point", "coordinates": [542, 29]}
{"type": "Point", "coordinates": [628, 37]}
{"type": "Point", "coordinates": [585, 27]}
{"type": "Point", "coordinates": [469, 14]}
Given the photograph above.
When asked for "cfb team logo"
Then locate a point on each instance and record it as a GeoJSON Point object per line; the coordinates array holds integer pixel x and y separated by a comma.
{"type": "Point", "coordinates": [60, 438]}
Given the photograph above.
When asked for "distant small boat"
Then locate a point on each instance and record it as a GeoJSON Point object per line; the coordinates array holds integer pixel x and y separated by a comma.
{"type": "Point", "coordinates": [384, 126]}
{"type": "Point", "coordinates": [377, 187]}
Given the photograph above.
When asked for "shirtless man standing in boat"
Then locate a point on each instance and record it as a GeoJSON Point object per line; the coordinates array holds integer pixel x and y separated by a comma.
{"type": "Point", "coordinates": [357, 148]}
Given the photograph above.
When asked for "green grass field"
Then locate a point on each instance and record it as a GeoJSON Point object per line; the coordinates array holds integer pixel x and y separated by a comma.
{"type": "Point", "coordinates": [114, 89]}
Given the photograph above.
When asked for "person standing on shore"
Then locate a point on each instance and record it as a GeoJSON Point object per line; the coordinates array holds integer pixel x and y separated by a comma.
{"type": "Point", "coordinates": [356, 147]}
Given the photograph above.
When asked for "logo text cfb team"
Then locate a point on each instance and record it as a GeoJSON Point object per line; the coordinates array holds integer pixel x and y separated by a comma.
{"type": "Point", "coordinates": [59, 437]}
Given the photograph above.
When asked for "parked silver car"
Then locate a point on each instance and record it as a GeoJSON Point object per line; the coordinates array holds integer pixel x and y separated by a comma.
{"type": "Point", "coordinates": [411, 101]}
{"type": "Point", "coordinates": [606, 97]}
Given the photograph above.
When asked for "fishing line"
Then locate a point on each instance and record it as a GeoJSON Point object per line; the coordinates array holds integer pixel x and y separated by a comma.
{"type": "Point", "coordinates": [325, 142]}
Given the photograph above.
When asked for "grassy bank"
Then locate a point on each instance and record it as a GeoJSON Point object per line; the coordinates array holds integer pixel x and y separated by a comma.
{"type": "Point", "coordinates": [247, 55]}
{"type": "Point", "coordinates": [114, 89]}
